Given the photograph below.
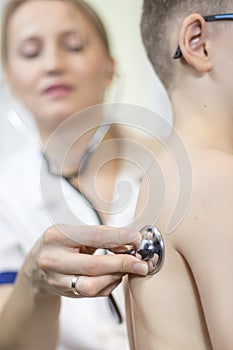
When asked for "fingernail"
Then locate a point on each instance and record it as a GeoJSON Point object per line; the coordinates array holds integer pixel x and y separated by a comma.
{"type": "Point", "coordinates": [140, 268]}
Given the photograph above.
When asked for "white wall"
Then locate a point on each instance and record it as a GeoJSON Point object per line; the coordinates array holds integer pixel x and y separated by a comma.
{"type": "Point", "coordinates": [137, 83]}
{"type": "Point", "coordinates": [122, 18]}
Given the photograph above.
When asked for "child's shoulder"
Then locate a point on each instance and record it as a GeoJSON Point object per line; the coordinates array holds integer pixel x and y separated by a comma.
{"type": "Point", "coordinates": [211, 202]}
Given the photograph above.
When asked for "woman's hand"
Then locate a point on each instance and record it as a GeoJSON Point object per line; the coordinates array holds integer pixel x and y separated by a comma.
{"type": "Point", "coordinates": [67, 251]}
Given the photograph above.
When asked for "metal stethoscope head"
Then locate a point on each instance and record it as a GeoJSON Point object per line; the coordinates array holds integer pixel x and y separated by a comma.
{"type": "Point", "coordinates": [151, 248]}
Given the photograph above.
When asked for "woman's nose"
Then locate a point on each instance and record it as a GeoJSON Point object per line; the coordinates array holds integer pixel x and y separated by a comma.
{"type": "Point", "coordinates": [54, 60]}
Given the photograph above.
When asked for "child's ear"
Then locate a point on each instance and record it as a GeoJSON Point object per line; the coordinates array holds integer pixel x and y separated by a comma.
{"type": "Point", "coordinates": [194, 43]}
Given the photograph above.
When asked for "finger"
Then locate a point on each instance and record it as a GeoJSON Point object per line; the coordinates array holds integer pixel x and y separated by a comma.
{"type": "Point", "coordinates": [86, 286]}
{"type": "Point", "coordinates": [108, 290]}
{"type": "Point", "coordinates": [99, 236]}
{"type": "Point", "coordinates": [97, 286]}
{"type": "Point", "coordinates": [69, 263]}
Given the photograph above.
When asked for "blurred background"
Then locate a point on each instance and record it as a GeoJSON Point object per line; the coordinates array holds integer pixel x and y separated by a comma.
{"type": "Point", "coordinates": [136, 82]}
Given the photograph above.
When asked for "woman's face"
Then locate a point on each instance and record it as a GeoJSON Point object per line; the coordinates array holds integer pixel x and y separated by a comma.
{"type": "Point", "coordinates": [57, 63]}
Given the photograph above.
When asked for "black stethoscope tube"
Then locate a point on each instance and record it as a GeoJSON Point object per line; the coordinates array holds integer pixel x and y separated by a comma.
{"type": "Point", "coordinates": [112, 302]}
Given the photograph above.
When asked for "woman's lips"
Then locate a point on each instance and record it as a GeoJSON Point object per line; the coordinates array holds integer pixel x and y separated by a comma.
{"type": "Point", "coordinates": [58, 91]}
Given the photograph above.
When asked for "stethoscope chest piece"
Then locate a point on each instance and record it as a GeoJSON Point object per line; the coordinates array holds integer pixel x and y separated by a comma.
{"type": "Point", "coordinates": [151, 247]}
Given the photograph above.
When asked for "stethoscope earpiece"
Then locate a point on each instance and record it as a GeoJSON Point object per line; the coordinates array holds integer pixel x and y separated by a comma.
{"type": "Point", "coordinates": [151, 244]}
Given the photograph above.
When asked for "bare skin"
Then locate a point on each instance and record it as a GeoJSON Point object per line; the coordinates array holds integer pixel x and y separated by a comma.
{"type": "Point", "coordinates": [183, 292]}
{"type": "Point", "coordinates": [188, 304]}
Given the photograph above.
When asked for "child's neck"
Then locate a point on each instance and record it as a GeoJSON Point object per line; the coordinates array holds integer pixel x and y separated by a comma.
{"type": "Point", "coordinates": [206, 133]}
{"type": "Point", "coordinates": [203, 120]}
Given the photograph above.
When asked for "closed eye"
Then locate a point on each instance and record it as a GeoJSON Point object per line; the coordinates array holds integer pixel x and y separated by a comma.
{"type": "Point", "coordinates": [73, 41]}
{"type": "Point", "coordinates": [30, 48]}
{"type": "Point", "coordinates": [75, 48]}
{"type": "Point", "coordinates": [29, 55]}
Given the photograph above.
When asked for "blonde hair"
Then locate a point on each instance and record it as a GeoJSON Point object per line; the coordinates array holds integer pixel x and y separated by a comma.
{"type": "Point", "coordinates": [12, 6]}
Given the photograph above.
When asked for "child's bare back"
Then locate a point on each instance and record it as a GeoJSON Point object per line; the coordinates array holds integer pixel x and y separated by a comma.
{"type": "Point", "coordinates": [183, 303]}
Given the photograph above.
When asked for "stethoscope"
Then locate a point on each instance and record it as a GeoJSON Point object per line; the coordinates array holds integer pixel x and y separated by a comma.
{"type": "Point", "coordinates": [152, 242]}
{"type": "Point", "coordinates": [151, 247]}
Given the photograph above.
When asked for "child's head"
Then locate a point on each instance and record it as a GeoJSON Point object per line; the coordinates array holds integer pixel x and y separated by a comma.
{"type": "Point", "coordinates": [164, 27]}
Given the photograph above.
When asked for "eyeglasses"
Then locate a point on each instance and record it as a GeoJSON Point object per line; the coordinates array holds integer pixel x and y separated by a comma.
{"type": "Point", "coordinates": [211, 18]}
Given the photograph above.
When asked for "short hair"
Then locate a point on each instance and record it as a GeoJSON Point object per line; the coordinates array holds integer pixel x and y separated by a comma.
{"type": "Point", "coordinates": [12, 5]}
{"type": "Point", "coordinates": [158, 16]}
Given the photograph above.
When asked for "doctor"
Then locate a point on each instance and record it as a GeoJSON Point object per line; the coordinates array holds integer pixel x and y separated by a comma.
{"type": "Point", "coordinates": [57, 62]}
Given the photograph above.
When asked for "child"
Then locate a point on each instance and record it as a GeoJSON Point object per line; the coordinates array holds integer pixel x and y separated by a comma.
{"type": "Point", "coordinates": [188, 304]}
